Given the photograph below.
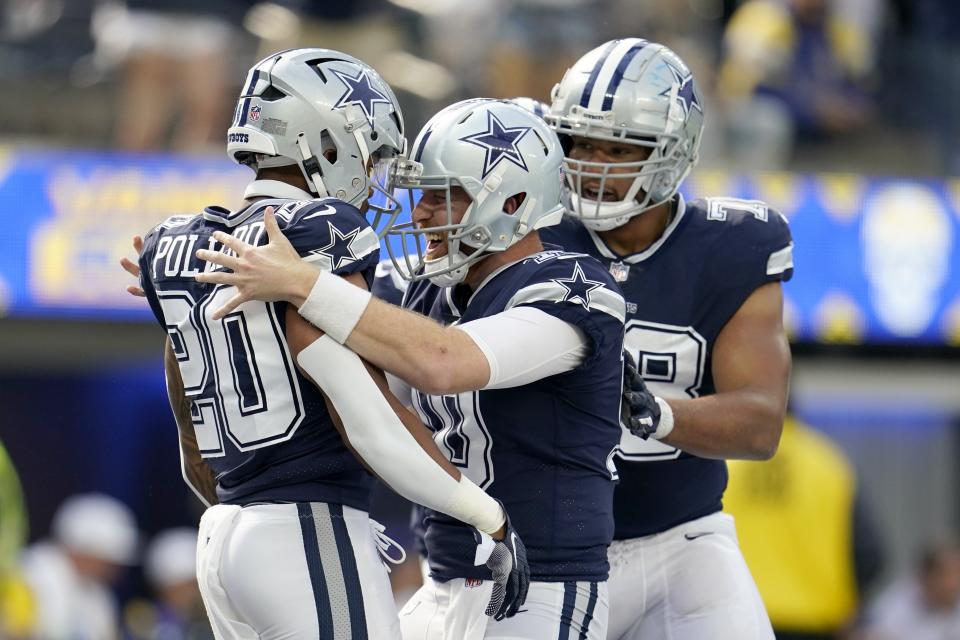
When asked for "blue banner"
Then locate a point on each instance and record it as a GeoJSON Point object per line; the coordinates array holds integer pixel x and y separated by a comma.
{"type": "Point", "coordinates": [876, 259]}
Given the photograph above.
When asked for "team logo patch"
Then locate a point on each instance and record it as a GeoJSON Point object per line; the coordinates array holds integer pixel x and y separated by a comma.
{"type": "Point", "coordinates": [619, 271]}
{"type": "Point", "coordinates": [361, 93]}
{"type": "Point", "coordinates": [499, 143]}
{"type": "Point", "coordinates": [578, 287]}
{"type": "Point", "coordinates": [254, 113]}
{"type": "Point", "coordinates": [472, 583]}
{"type": "Point", "coordinates": [340, 248]}
{"type": "Point", "coordinates": [685, 93]}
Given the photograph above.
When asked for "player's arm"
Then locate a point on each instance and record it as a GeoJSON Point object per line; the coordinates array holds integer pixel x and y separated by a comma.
{"type": "Point", "coordinates": [196, 473]}
{"type": "Point", "coordinates": [392, 442]}
{"type": "Point", "coordinates": [751, 373]}
{"type": "Point", "coordinates": [430, 357]}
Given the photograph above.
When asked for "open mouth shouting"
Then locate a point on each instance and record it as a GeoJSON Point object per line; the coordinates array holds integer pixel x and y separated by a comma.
{"type": "Point", "coordinates": [436, 245]}
{"type": "Point", "coordinates": [592, 192]}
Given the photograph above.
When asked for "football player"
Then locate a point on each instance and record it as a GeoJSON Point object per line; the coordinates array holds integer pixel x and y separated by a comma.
{"type": "Point", "coordinates": [513, 354]}
{"type": "Point", "coordinates": [287, 548]}
{"type": "Point", "coordinates": [704, 323]}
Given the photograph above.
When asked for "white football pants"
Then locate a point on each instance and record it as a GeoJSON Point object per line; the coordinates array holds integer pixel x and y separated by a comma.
{"type": "Point", "coordinates": [454, 610]}
{"type": "Point", "coordinates": [687, 583]}
{"type": "Point", "coordinates": [304, 570]}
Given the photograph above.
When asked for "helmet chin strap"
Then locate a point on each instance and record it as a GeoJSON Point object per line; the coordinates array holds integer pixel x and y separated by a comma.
{"type": "Point", "coordinates": [611, 221]}
{"type": "Point", "coordinates": [311, 166]}
{"type": "Point", "coordinates": [447, 277]}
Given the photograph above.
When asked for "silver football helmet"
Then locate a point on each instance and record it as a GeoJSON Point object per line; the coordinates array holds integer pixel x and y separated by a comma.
{"type": "Point", "coordinates": [300, 103]}
{"type": "Point", "coordinates": [532, 105]}
{"type": "Point", "coordinates": [494, 150]}
{"type": "Point", "coordinates": [628, 91]}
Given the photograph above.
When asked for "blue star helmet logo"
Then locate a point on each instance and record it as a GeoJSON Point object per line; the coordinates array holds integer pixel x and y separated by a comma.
{"type": "Point", "coordinates": [360, 92]}
{"type": "Point", "coordinates": [339, 249]}
{"type": "Point", "coordinates": [578, 287]}
{"type": "Point", "coordinates": [499, 143]}
{"type": "Point", "coordinates": [686, 93]}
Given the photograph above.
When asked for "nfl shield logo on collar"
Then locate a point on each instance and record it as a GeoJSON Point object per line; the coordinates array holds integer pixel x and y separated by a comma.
{"type": "Point", "coordinates": [254, 113]}
{"type": "Point", "coordinates": [619, 271]}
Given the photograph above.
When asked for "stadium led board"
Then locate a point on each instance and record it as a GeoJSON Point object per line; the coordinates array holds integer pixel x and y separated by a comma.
{"type": "Point", "coordinates": [876, 259]}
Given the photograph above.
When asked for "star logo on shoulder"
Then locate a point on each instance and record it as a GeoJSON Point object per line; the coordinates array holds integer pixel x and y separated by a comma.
{"type": "Point", "coordinates": [340, 248]}
{"type": "Point", "coordinates": [685, 93]}
{"type": "Point", "coordinates": [499, 143]}
{"type": "Point", "coordinates": [360, 92]}
{"type": "Point", "coordinates": [578, 287]}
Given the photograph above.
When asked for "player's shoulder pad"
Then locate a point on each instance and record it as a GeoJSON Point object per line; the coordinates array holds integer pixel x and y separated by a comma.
{"type": "Point", "coordinates": [560, 277]}
{"type": "Point", "coordinates": [173, 222]}
{"type": "Point", "coordinates": [328, 232]}
{"type": "Point", "coordinates": [176, 223]}
{"type": "Point", "coordinates": [742, 227]}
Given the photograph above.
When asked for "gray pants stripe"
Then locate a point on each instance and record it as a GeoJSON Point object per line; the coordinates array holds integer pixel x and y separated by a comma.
{"type": "Point", "coordinates": [332, 571]}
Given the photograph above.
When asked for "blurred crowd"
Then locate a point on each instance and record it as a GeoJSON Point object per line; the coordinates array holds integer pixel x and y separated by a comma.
{"type": "Point", "coordinates": [802, 84]}
{"type": "Point", "coordinates": [804, 527]}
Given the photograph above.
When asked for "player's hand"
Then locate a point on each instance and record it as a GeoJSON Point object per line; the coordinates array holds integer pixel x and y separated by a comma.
{"type": "Point", "coordinates": [133, 268]}
{"type": "Point", "coordinates": [507, 559]}
{"type": "Point", "coordinates": [639, 412]}
{"type": "Point", "coordinates": [267, 272]}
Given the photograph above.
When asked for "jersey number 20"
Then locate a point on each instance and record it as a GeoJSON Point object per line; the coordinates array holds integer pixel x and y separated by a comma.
{"type": "Point", "coordinates": [235, 370]}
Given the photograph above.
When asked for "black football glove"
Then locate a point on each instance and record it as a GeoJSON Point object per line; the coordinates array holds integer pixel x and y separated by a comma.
{"type": "Point", "coordinates": [639, 411]}
{"type": "Point", "coordinates": [511, 573]}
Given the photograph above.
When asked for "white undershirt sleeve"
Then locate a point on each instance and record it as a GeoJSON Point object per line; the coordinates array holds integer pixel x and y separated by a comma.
{"type": "Point", "coordinates": [383, 442]}
{"type": "Point", "coordinates": [525, 344]}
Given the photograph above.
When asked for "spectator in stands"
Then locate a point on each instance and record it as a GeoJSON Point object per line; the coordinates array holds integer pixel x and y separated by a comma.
{"type": "Point", "coordinates": [176, 70]}
{"type": "Point", "coordinates": [936, 33]}
{"type": "Point", "coordinates": [94, 537]}
{"type": "Point", "coordinates": [793, 71]}
{"type": "Point", "coordinates": [805, 534]}
{"type": "Point", "coordinates": [171, 570]}
{"type": "Point", "coordinates": [17, 608]}
{"type": "Point", "coordinates": [925, 606]}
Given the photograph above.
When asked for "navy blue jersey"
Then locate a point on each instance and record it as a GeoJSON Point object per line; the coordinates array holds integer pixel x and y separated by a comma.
{"type": "Point", "coordinates": [387, 284]}
{"type": "Point", "coordinates": [543, 449]}
{"type": "Point", "coordinates": [261, 426]}
{"type": "Point", "coordinates": [680, 293]}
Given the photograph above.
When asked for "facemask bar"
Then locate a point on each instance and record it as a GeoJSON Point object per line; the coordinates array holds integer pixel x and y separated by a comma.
{"type": "Point", "coordinates": [577, 172]}
{"type": "Point", "coordinates": [666, 156]}
{"type": "Point", "coordinates": [414, 265]}
{"type": "Point", "coordinates": [381, 183]}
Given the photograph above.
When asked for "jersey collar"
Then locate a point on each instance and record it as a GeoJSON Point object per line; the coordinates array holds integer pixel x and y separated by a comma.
{"type": "Point", "coordinates": [276, 189]}
{"type": "Point", "coordinates": [493, 274]}
{"type": "Point", "coordinates": [634, 258]}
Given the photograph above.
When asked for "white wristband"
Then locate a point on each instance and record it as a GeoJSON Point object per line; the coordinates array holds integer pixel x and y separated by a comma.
{"type": "Point", "coordinates": [335, 306]}
{"type": "Point", "coordinates": [666, 419]}
{"type": "Point", "coordinates": [469, 503]}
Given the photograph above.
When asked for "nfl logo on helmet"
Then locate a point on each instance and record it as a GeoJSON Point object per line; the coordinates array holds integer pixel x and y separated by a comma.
{"type": "Point", "coordinates": [255, 113]}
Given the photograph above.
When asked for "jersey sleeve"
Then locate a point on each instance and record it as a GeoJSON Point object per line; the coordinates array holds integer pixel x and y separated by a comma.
{"type": "Point", "coordinates": [578, 290]}
{"type": "Point", "coordinates": [334, 236]}
{"type": "Point", "coordinates": [754, 248]}
{"type": "Point", "coordinates": [145, 261]}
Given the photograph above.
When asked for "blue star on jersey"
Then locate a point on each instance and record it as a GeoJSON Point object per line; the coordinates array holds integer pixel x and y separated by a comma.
{"type": "Point", "coordinates": [578, 287]}
{"type": "Point", "coordinates": [340, 249]}
{"type": "Point", "coordinates": [360, 92]}
{"type": "Point", "coordinates": [500, 143]}
{"type": "Point", "coordinates": [685, 93]}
